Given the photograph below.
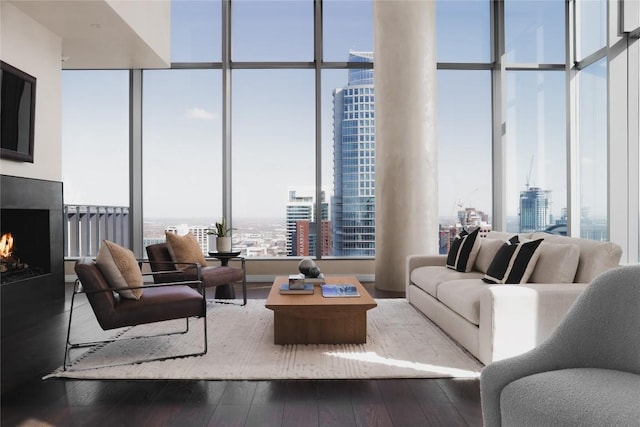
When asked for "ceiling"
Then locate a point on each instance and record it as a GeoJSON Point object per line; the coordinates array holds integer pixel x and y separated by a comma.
{"type": "Point", "coordinates": [98, 34]}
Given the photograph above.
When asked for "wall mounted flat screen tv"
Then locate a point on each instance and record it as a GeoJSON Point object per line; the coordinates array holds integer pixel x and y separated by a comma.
{"type": "Point", "coordinates": [17, 113]}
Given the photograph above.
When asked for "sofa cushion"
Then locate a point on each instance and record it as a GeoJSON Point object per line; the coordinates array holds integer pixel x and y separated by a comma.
{"type": "Point", "coordinates": [464, 250]}
{"type": "Point", "coordinates": [488, 250]}
{"type": "Point", "coordinates": [557, 263]}
{"type": "Point", "coordinates": [463, 297]}
{"type": "Point", "coordinates": [514, 262]}
{"type": "Point", "coordinates": [595, 257]}
{"type": "Point", "coordinates": [429, 278]}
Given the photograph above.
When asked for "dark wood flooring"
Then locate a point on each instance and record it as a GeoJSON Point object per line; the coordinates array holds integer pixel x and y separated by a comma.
{"type": "Point", "coordinates": [35, 348]}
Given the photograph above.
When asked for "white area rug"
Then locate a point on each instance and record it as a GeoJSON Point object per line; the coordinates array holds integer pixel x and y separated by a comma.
{"type": "Point", "coordinates": [401, 343]}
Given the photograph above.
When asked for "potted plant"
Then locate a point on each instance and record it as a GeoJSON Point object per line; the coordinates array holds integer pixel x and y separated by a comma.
{"type": "Point", "coordinates": [223, 236]}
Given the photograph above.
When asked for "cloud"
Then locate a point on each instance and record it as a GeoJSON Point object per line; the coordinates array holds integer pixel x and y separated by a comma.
{"type": "Point", "coordinates": [199, 114]}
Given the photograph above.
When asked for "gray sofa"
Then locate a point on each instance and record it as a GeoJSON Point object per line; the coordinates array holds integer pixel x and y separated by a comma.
{"type": "Point", "coordinates": [494, 322]}
{"type": "Point", "coordinates": [587, 373]}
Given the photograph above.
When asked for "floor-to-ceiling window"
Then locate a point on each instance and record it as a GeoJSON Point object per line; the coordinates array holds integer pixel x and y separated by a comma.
{"type": "Point", "coordinates": [273, 129]}
{"type": "Point", "coordinates": [278, 134]}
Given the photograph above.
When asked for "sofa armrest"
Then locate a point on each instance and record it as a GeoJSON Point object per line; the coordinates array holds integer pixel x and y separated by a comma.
{"type": "Point", "coordinates": [415, 261]}
{"type": "Point", "coordinates": [516, 318]}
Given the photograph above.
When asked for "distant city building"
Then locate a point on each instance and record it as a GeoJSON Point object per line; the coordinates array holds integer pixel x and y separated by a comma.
{"type": "Point", "coordinates": [300, 210]}
{"type": "Point", "coordinates": [306, 236]}
{"type": "Point", "coordinates": [469, 219]}
{"type": "Point", "coordinates": [353, 202]}
{"type": "Point", "coordinates": [535, 209]}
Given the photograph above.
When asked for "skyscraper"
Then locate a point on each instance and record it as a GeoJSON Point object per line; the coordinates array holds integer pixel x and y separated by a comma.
{"type": "Point", "coordinates": [353, 202]}
{"type": "Point", "coordinates": [301, 208]}
{"type": "Point", "coordinates": [535, 209]}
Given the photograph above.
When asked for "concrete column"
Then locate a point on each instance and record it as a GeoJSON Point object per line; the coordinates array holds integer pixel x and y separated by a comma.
{"type": "Point", "coordinates": [406, 144]}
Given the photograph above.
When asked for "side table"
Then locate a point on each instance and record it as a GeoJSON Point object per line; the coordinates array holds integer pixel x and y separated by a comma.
{"type": "Point", "coordinates": [227, 291]}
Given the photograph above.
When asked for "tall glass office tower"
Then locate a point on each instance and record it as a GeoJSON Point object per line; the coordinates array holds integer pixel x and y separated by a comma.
{"type": "Point", "coordinates": [535, 209]}
{"type": "Point", "coordinates": [353, 203]}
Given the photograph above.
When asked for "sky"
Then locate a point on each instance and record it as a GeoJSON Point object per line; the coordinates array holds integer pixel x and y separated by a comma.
{"type": "Point", "coordinates": [273, 122]}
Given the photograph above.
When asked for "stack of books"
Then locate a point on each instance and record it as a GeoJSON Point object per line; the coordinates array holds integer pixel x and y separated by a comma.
{"type": "Point", "coordinates": [301, 278]}
{"type": "Point", "coordinates": [306, 289]}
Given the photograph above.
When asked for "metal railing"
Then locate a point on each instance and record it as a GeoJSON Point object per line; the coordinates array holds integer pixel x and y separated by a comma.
{"type": "Point", "coordinates": [86, 226]}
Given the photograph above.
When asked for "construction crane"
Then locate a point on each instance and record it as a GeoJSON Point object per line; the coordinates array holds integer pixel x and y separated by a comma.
{"type": "Point", "coordinates": [529, 174]}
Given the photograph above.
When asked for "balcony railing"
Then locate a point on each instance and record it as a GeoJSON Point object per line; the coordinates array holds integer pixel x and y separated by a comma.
{"type": "Point", "coordinates": [86, 226]}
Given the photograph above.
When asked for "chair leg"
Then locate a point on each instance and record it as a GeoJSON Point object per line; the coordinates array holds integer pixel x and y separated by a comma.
{"type": "Point", "coordinates": [244, 283]}
{"type": "Point", "coordinates": [217, 298]}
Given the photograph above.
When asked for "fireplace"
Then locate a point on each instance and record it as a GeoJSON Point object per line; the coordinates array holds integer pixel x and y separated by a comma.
{"type": "Point", "coordinates": [24, 244]}
{"type": "Point", "coordinates": [31, 246]}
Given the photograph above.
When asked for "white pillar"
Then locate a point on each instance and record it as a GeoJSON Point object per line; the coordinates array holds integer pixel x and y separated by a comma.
{"type": "Point", "coordinates": [406, 144]}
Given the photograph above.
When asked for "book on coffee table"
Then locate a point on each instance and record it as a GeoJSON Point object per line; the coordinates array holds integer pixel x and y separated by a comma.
{"type": "Point", "coordinates": [339, 290]}
{"type": "Point", "coordinates": [306, 279]}
{"type": "Point", "coordinates": [307, 290]}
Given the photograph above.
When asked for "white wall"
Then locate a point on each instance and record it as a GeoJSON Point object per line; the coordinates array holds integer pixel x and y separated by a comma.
{"type": "Point", "coordinates": [32, 48]}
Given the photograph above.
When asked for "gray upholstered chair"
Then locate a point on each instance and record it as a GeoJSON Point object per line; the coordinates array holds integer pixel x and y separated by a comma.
{"type": "Point", "coordinates": [586, 373]}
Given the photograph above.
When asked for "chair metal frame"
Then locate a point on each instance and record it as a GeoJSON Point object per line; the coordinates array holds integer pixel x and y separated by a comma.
{"type": "Point", "coordinates": [78, 289]}
{"type": "Point", "coordinates": [196, 265]}
{"type": "Point", "coordinates": [244, 283]}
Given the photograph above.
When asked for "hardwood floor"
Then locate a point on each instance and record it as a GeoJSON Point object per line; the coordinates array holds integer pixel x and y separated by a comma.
{"type": "Point", "coordinates": [35, 348]}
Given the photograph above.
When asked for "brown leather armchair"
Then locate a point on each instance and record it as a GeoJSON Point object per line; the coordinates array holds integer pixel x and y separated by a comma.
{"type": "Point", "coordinates": [221, 277]}
{"type": "Point", "coordinates": [159, 302]}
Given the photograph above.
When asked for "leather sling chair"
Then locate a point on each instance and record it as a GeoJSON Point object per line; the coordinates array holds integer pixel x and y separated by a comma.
{"type": "Point", "coordinates": [159, 302]}
{"type": "Point", "coordinates": [220, 277]}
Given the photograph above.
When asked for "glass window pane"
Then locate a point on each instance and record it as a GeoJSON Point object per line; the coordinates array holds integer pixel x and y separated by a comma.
{"type": "Point", "coordinates": [536, 151]}
{"type": "Point", "coordinates": [534, 31]}
{"type": "Point", "coordinates": [273, 155]}
{"type": "Point", "coordinates": [95, 137]}
{"type": "Point", "coordinates": [592, 26]}
{"type": "Point", "coordinates": [196, 31]}
{"type": "Point", "coordinates": [592, 142]}
{"type": "Point", "coordinates": [269, 30]}
{"type": "Point", "coordinates": [463, 31]}
{"type": "Point", "coordinates": [182, 149]}
{"type": "Point", "coordinates": [464, 151]}
{"type": "Point", "coordinates": [348, 26]}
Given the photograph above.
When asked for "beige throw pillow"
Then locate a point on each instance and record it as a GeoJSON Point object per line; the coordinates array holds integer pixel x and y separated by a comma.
{"type": "Point", "coordinates": [120, 267]}
{"type": "Point", "coordinates": [185, 249]}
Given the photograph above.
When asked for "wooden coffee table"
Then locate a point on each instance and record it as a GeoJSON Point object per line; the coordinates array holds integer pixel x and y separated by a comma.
{"type": "Point", "coordinates": [314, 319]}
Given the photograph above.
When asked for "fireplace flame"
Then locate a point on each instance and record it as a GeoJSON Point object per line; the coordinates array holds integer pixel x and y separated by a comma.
{"type": "Point", "coordinates": [6, 245]}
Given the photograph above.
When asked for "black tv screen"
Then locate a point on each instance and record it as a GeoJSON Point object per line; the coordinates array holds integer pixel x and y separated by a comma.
{"type": "Point", "coordinates": [17, 113]}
